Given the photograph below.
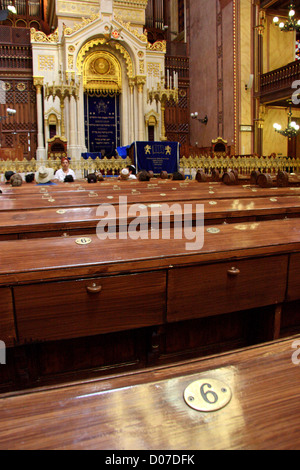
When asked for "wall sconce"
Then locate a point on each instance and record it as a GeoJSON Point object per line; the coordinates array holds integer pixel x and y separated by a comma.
{"type": "Point", "coordinates": [249, 85]}
{"type": "Point", "coordinates": [291, 24]}
{"type": "Point", "coordinates": [195, 116]}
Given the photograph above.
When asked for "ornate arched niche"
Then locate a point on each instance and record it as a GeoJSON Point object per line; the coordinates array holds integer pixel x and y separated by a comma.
{"type": "Point", "coordinates": [93, 46]}
{"type": "Point", "coordinates": [102, 73]}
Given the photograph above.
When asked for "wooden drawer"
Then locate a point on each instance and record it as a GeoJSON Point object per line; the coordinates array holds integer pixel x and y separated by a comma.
{"type": "Point", "coordinates": [7, 324]}
{"type": "Point", "coordinates": [70, 309]}
{"type": "Point", "coordinates": [208, 290]}
{"type": "Point", "coordinates": [294, 278]}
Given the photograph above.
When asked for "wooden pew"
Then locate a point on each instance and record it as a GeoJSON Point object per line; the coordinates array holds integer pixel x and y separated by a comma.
{"type": "Point", "coordinates": [51, 222]}
{"type": "Point", "coordinates": [137, 294]}
{"type": "Point", "coordinates": [137, 194]}
{"type": "Point", "coordinates": [153, 409]}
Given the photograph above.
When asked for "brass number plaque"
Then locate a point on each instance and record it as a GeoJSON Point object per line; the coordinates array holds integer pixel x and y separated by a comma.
{"type": "Point", "coordinates": [83, 241]}
{"type": "Point", "coordinates": [207, 395]}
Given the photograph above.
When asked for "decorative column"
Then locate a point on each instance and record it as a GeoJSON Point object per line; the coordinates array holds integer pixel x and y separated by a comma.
{"type": "Point", "coordinates": [67, 87]}
{"type": "Point", "coordinates": [161, 95]}
{"type": "Point", "coordinates": [41, 151]}
{"type": "Point", "coordinates": [131, 110]}
{"type": "Point", "coordinates": [80, 117]}
{"type": "Point", "coordinates": [73, 134]}
{"type": "Point", "coordinates": [140, 81]}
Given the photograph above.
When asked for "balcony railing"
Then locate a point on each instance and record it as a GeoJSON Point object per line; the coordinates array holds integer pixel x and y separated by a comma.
{"type": "Point", "coordinates": [280, 81]}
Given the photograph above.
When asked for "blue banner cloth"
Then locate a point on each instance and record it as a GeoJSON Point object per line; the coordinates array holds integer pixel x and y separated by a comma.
{"type": "Point", "coordinates": [156, 156]}
{"type": "Point", "coordinates": [122, 151]}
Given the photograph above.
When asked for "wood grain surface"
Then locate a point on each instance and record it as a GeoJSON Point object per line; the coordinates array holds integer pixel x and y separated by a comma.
{"type": "Point", "coordinates": [146, 410]}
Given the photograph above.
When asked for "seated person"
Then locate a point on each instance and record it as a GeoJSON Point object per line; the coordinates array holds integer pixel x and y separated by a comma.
{"type": "Point", "coordinates": [132, 172]}
{"type": "Point", "coordinates": [16, 180]}
{"type": "Point", "coordinates": [29, 178]}
{"type": "Point", "coordinates": [99, 175]}
{"type": "Point", "coordinates": [8, 175]}
{"type": "Point", "coordinates": [64, 171]}
{"type": "Point", "coordinates": [92, 178]}
{"type": "Point", "coordinates": [124, 174]}
{"type": "Point", "coordinates": [44, 176]}
{"type": "Point", "coordinates": [69, 179]}
{"type": "Point", "coordinates": [177, 175]}
{"type": "Point", "coordinates": [143, 176]}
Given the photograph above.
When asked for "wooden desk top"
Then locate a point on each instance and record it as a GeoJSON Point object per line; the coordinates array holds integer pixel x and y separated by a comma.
{"type": "Point", "coordinates": [146, 410]}
{"type": "Point", "coordinates": [57, 258]}
{"type": "Point", "coordinates": [93, 195]}
{"type": "Point", "coordinates": [72, 218]}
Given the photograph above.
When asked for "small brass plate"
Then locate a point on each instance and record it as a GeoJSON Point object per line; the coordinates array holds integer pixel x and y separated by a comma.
{"type": "Point", "coordinates": [83, 241]}
{"type": "Point", "coordinates": [51, 199]}
{"type": "Point", "coordinates": [163, 194]}
{"type": "Point", "coordinates": [207, 395]}
{"type": "Point", "coordinates": [61, 211]}
{"type": "Point", "coordinates": [213, 230]}
{"type": "Point", "coordinates": [273, 199]}
{"type": "Point", "coordinates": [212, 203]}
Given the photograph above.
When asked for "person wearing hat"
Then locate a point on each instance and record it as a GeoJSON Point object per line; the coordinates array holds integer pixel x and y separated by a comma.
{"type": "Point", "coordinates": [8, 175]}
{"type": "Point", "coordinates": [64, 171]}
{"type": "Point", "coordinates": [124, 174]}
{"type": "Point", "coordinates": [44, 175]}
{"type": "Point", "coordinates": [132, 172]}
{"type": "Point", "coordinates": [16, 180]}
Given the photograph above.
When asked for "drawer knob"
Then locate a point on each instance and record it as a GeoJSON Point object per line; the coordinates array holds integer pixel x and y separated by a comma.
{"type": "Point", "coordinates": [233, 271]}
{"type": "Point", "coordinates": [94, 289]}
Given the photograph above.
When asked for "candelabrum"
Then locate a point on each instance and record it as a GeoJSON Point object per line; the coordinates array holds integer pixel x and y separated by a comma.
{"type": "Point", "coordinates": [67, 86]}
{"type": "Point", "coordinates": [291, 24]}
{"type": "Point", "coordinates": [292, 129]}
{"type": "Point", "coordinates": [163, 94]}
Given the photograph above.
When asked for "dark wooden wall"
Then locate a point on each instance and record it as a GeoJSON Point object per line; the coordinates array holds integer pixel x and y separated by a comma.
{"type": "Point", "coordinates": [19, 130]}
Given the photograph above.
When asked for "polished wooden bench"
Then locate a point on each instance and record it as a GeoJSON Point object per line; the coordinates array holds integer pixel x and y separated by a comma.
{"type": "Point", "coordinates": [148, 410]}
{"type": "Point", "coordinates": [153, 299]}
{"type": "Point", "coordinates": [52, 222]}
{"type": "Point", "coordinates": [135, 193]}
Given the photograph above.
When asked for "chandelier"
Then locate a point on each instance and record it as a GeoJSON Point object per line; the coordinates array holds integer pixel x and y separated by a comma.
{"type": "Point", "coordinates": [291, 24]}
{"type": "Point", "coordinates": [292, 129]}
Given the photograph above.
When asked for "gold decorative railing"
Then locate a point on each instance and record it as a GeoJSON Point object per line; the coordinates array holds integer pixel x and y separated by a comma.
{"type": "Point", "coordinates": [243, 164]}
{"type": "Point", "coordinates": [83, 167]}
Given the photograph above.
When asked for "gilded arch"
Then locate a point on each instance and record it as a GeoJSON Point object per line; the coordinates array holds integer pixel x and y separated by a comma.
{"type": "Point", "coordinates": [103, 41]}
{"type": "Point", "coordinates": [102, 73]}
